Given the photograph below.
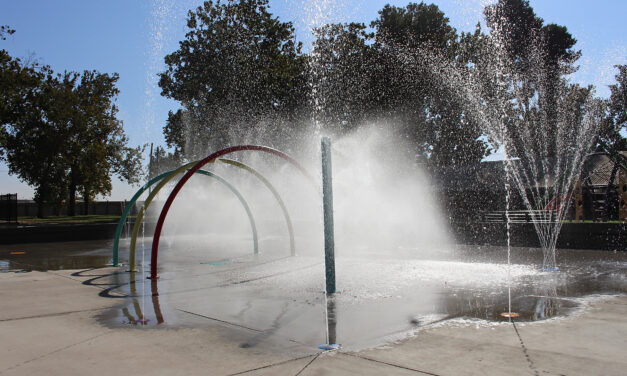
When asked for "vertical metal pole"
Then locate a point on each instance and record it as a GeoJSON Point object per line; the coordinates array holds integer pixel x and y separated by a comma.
{"type": "Point", "coordinates": [331, 322]}
{"type": "Point", "coordinates": [327, 198]}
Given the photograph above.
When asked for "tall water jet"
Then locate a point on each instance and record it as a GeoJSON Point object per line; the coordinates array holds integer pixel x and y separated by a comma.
{"type": "Point", "coordinates": [542, 124]}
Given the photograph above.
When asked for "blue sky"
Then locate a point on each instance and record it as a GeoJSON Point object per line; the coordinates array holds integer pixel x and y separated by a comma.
{"type": "Point", "coordinates": [131, 37]}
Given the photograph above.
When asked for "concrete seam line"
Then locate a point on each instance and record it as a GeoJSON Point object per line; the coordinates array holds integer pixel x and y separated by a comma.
{"type": "Point", "coordinates": [272, 365]}
{"type": "Point", "coordinates": [308, 364]}
{"type": "Point", "coordinates": [525, 352]}
{"type": "Point", "coordinates": [222, 321]}
{"type": "Point", "coordinates": [232, 269]}
{"type": "Point", "coordinates": [267, 276]}
{"type": "Point", "coordinates": [234, 283]}
{"type": "Point", "coordinates": [387, 363]}
{"type": "Point", "coordinates": [238, 325]}
{"type": "Point", "coordinates": [53, 352]}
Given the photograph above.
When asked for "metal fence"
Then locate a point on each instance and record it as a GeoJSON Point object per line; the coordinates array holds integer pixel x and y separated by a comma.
{"type": "Point", "coordinates": [8, 207]}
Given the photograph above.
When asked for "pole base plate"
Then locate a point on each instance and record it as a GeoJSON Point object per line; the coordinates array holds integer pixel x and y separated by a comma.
{"type": "Point", "coordinates": [329, 346]}
{"type": "Point", "coordinates": [510, 315]}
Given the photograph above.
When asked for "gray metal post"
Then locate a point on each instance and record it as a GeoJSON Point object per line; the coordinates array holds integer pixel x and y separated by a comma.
{"type": "Point", "coordinates": [331, 322]}
{"type": "Point", "coordinates": [327, 198]}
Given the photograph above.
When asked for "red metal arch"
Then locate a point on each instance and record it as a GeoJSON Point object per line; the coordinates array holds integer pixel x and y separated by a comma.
{"type": "Point", "coordinates": [190, 173]}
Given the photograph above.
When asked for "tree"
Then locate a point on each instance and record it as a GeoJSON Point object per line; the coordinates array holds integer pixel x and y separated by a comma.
{"type": "Point", "coordinates": [4, 31]}
{"type": "Point", "coordinates": [341, 75]}
{"type": "Point", "coordinates": [615, 124]}
{"type": "Point", "coordinates": [522, 32]}
{"type": "Point", "coordinates": [237, 67]}
{"type": "Point", "coordinates": [29, 141]}
{"type": "Point", "coordinates": [174, 131]}
{"type": "Point", "coordinates": [533, 59]}
{"type": "Point", "coordinates": [433, 118]}
{"type": "Point", "coordinates": [515, 25]}
{"type": "Point", "coordinates": [162, 161]}
{"type": "Point", "coordinates": [415, 26]}
{"type": "Point", "coordinates": [95, 140]}
{"type": "Point", "coordinates": [60, 133]}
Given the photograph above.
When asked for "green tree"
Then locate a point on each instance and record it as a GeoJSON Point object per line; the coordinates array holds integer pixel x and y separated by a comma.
{"type": "Point", "coordinates": [237, 66]}
{"type": "Point", "coordinates": [30, 143]}
{"type": "Point", "coordinates": [174, 131]}
{"type": "Point", "coordinates": [415, 26]}
{"type": "Point", "coordinates": [409, 91]}
{"type": "Point", "coordinates": [96, 146]}
{"type": "Point", "coordinates": [4, 31]}
{"type": "Point", "coordinates": [515, 25]}
{"type": "Point", "coordinates": [615, 125]}
{"type": "Point", "coordinates": [341, 74]}
{"type": "Point", "coordinates": [60, 134]}
{"type": "Point", "coordinates": [162, 161]}
{"type": "Point", "coordinates": [532, 58]}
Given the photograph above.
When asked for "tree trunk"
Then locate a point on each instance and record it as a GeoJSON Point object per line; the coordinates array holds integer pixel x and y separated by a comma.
{"type": "Point", "coordinates": [71, 205]}
{"type": "Point", "coordinates": [86, 203]}
{"type": "Point", "coordinates": [41, 196]}
{"type": "Point", "coordinates": [71, 209]}
{"type": "Point", "coordinates": [40, 209]}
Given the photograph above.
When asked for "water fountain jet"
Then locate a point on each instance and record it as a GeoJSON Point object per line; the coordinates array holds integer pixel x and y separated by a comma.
{"type": "Point", "coordinates": [544, 140]}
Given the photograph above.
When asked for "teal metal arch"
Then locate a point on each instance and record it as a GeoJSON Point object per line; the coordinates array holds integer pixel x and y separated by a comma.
{"type": "Point", "coordinates": [162, 184]}
{"type": "Point", "coordinates": [126, 212]}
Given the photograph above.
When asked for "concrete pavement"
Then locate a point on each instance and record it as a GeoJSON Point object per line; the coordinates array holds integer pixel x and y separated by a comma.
{"type": "Point", "coordinates": [49, 326]}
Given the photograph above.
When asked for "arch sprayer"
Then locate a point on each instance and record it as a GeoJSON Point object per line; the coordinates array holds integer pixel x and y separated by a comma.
{"type": "Point", "coordinates": [171, 174]}
{"type": "Point", "coordinates": [197, 166]}
{"type": "Point", "coordinates": [141, 213]}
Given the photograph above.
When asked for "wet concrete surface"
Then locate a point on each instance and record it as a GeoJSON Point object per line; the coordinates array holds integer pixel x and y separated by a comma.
{"type": "Point", "coordinates": [55, 256]}
{"type": "Point", "coordinates": [382, 297]}
{"type": "Point", "coordinates": [444, 308]}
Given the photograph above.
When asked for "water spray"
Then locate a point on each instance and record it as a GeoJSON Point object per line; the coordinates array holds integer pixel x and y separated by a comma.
{"type": "Point", "coordinates": [154, 257]}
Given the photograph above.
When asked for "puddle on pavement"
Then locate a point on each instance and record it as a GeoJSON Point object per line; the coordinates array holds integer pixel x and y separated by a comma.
{"type": "Point", "coordinates": [55, 256]}
{"type": "Point", "coordinates": [381, 298]}
{"type": "Point", "coordinates": [282, 298]}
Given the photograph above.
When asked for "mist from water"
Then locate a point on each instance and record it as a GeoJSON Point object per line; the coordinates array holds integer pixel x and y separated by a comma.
{"type": "Point", "coordinates": [383, 204]}
{"type": "Point", "coordinates": [383, 200]}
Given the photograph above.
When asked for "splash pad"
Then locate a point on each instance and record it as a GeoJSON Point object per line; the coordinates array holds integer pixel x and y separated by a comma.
{"type": "Point", "coordinates": [371, 291]}
{"type": "Point", "coordinates": [195, 167]}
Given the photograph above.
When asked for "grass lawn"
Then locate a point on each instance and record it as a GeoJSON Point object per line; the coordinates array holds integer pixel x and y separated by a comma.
{"type": "Point", "coordinates": [69, 220]}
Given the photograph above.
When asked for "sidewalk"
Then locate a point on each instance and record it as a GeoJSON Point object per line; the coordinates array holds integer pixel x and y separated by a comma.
{"type": "Point", "coordinates": [48, 326]}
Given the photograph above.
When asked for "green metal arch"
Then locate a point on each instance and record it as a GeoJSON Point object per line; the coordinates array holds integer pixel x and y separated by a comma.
{"type": "Point", "coordinates": [286, 215]}
{"type": "Point", "coordinates": [163, 182]}
{"type": "Point", "coordinates": [125, 213]}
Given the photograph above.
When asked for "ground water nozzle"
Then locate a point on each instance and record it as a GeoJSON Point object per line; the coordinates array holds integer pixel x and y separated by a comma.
{"type": "Point", "coordinates": [329, 346]}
